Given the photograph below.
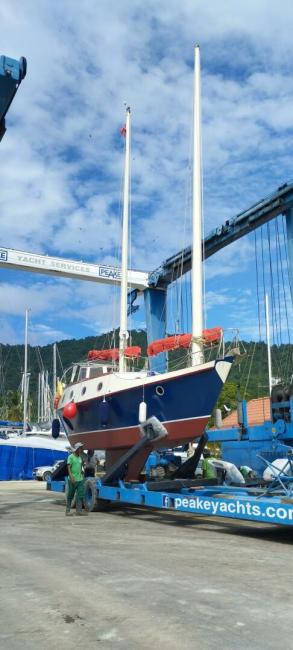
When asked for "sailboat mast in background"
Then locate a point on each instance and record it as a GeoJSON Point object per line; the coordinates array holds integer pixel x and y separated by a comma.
{"type": "Point", "coordinates": [25, 375]}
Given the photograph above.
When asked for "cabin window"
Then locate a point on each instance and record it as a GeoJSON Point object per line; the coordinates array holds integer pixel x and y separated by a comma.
{"type": "Point", "coordinates": [96, 372]}
{"type": "Point", "coordinates": [82, 374]}
{"type": "Point", "coordinates": [73, 374]}
{"type": "Point", "coordinates": [71, 394]}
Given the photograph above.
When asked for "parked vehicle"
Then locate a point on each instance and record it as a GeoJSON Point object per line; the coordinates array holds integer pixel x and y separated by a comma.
{"type": "Point", "coordinates": [45, 472]}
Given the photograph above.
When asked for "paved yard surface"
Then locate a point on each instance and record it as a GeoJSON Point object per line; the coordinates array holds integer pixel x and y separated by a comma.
{"type": "Point", "coordinates": [134, 580]}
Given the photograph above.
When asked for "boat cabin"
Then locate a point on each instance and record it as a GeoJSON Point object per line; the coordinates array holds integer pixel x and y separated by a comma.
{"type": "Point", "coordinates": [89, 370]}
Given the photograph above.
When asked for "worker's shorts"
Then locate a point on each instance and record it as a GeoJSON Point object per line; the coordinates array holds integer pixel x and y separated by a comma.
{"type": "Point", "coordinates": [72, 488]}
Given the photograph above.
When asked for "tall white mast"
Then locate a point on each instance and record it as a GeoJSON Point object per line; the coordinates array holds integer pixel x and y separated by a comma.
{"type": "Point", "coordinates": [25, 382]}
{"type": "Point", "coordinates": [268, 342]}
{"type": "Point", "coordinates": [39, 397]}
{"type": "Point", "coordinates": [42, 395]}
{"type": "Point", "coordinates": [196, 272]}
{"type": "Point", "coordinates": [123, 336]}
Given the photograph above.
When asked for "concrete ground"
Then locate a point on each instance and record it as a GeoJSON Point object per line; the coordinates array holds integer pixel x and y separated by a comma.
{"type": "Point", "coordinates": [133, 579]}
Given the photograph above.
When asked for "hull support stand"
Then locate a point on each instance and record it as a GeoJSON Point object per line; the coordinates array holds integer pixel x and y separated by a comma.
{"type": "Point", "coordinates": [129, 466]}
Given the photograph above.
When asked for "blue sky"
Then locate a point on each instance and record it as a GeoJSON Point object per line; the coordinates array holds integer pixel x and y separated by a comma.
{"type": "Point", "coordinates": [62, 158]}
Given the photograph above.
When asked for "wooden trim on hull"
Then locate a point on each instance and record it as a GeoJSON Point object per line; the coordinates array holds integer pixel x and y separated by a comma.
{"type": "Point", "coordinates": [179, 432]}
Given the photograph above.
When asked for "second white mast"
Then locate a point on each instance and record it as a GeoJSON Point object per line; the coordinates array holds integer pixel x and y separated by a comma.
{"type": "Point", "coordinates": [25, 375]}
{"type": "Point", "coordinates": [196, 272]}
{"type": "Point", "coordinates": [123, 336]}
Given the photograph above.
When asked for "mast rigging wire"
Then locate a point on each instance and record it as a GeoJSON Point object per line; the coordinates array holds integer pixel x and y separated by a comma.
{"type": "Point", "coordinates": [281, 283]}
{"type": "Point", "coordinates": [258, 312]}
{"type": "Point", "coordinates": [283, 259]}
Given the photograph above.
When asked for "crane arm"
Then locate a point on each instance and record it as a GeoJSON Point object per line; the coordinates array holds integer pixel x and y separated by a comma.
{"type": "Point", "coordinates": [23, 261]}
{"type": "Point", "coordinates": [12, 73]}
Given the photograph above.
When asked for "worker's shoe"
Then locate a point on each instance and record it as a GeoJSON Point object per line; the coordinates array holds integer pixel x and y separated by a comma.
{"type": "Point", "coordinates": [68, 513]}
{"type": "Point", "coordinates": [81, 513]}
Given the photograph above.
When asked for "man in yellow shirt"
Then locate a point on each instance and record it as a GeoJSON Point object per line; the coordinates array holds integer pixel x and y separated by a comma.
{"type": "Point", "coordinates": [75, 480]}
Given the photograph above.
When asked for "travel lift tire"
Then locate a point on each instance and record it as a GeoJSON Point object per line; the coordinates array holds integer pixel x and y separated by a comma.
{"type": "Point", "coordinates": [91, 502]}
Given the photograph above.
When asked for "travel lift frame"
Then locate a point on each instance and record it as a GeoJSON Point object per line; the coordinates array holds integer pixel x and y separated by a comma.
{"type": "Point", "coordinates": [153, 285]}
{"type": "Point", "coordinates": [255, 445]}
{"type": "Point", "coordinates": [272, 504]}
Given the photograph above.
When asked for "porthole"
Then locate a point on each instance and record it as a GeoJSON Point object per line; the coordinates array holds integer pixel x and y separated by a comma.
{"type": "Point", "coordinates": [100, 386]}
{"type": "Point", "coordinates": [160, 391]}
{"type": "Point", "coordinates": [71, 394]}
{"type": "Point", "coordinates": [83, 390]}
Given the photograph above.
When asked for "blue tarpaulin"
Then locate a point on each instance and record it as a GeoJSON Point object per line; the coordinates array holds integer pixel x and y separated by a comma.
{"type": "Point", "coordinates": [18, 462]}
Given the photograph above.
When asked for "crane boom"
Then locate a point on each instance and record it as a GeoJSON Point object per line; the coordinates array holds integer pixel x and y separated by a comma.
{"type": "Point", "coordinates": [23, 261]}
{"type": "Point", "coordinates": [12, 72]}
{"type": "Point", "coordinates": [280, 202]}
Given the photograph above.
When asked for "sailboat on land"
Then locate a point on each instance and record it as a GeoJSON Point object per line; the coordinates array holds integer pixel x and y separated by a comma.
{"type": "Point", "coordinates": [103, 405]}
{"type": "Point", "coordinates": [24, 448]}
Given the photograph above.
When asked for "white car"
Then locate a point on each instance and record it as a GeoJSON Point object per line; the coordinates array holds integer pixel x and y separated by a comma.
{"type": "Point", "coordinates": [45, 472]}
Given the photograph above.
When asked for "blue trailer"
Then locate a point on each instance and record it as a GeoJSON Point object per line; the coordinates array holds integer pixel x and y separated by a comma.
{"type": "Point", "coordinates": [247, 503]}
{"type": "Point", "coordinates": [271, 504]}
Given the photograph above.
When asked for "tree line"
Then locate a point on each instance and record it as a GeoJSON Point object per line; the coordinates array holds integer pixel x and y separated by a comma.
{"type": "Point", "coordinates": [248, 377]}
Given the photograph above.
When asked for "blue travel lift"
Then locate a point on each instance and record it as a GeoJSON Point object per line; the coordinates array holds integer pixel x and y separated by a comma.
{"type": "Point", "coordinates": [271, 504]}
{"type": "Point", "coordinates": [12, 73]}
{"type": "Point", "coordinates": [254, 445]}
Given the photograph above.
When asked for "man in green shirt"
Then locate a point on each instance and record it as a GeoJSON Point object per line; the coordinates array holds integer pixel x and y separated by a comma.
{"type": "Point", "coordinates": [75, 480]}
{"type": "Point", "coordinates": [247, 472]}
{"type": "Point", "coordinates": [208, 469]}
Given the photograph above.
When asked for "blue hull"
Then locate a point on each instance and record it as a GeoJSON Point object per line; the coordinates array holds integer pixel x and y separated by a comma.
{"type": "Point", "coordinates": [183, 403]}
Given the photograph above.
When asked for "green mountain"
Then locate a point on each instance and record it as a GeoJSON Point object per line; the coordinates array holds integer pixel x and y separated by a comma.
{"type": "Point", "coordinates": [249, 373]}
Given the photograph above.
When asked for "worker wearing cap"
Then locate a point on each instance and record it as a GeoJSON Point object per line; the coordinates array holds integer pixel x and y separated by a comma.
{"type": "Point", "coordinates": [75, 480]}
